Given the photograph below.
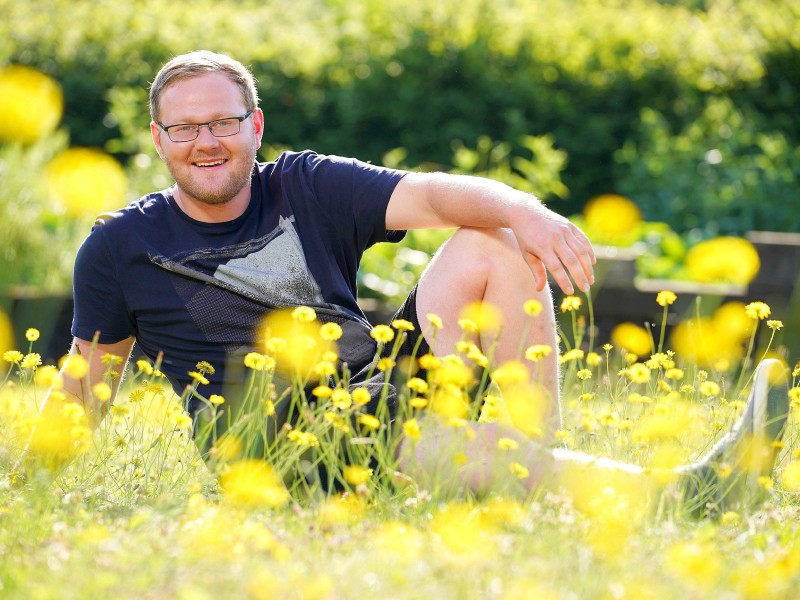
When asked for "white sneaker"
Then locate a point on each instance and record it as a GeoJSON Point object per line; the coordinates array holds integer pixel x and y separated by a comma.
{"type": "Point", "coordinates": [754, 435]}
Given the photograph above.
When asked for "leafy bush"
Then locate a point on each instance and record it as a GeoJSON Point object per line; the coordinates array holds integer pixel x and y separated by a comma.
{"type": "Point", "coordinates": [633, 96]}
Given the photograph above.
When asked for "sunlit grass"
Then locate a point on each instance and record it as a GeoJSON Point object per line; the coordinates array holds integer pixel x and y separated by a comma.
{"type": "Point", "coordinates": [134, 511]}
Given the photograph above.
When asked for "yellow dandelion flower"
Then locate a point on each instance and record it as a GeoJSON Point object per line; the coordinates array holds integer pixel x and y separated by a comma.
{"type": "Point", "coordinates": [205, 367]}
{"type": "Point", "coordinates": [757, 310]}
{"type": "Point", "coordinates": [111, 359]}
{"type": "Point", "coordinates": [403, 325]}
{"type": "Point", "coordinates": [269, 408]}
{"type": "Point", "coordinates": [144, 366]}
{"type": "Point", "coordinates": [435, 320]}
{"type": "Point", "coordinates": [32, 334]}
{"type": "Point", "coordinates": [633, 338]}
{"type": "Point", "coordinates": [520, 471]}
{"type": "Point", "coordinates": [418, 402]}
{"type": "Point", "coordinates": [322, 392]}
{"type": "Point", "coordinates": [385, 364]}
{"type": "Point", "coordinates": [31, 361]}
{"type": "Point", "coordinates": [198, 377]}
{"type": "Point", "coordinates": [276, 345]}
{"type": "Point", "coordinates": [76, 366]}
{"type": "Point", "coordinates": [775, 325]}
{"type": "Point", "coordinates": [302, 438]}
{"type": "Point", "coordinates": [330, 331]}
{"type": "Point", "coordinates": [532, 307]}
{"type": "Point", "coordinates": [337, 421]}
{"type": "Point", "coordinates": [48, 376]}
{"type": "Point", "coordinates": [415, 384]}
{"type": "Point", "coordinates": [325, 368]}
{"type": "Point", "coordinates": [360, 396]}
{"type": "Point", "coordinates": [660, 360]}
{"type": "Point", "coordinates": [255, 361]}
{"type": "Point", "coordinates": [102, 391]}
{"type": "Point", "coordinates": [593, 359]}
{"type": "Point", "coordinates": [429, 362]}
{"type": "Point", "coordinates": [411, 429]}
{"type": "Point", "coordinates": [588, 396]}
{"type": "Point", "coordinates": [85, 181]}
{"type": "Point", "coordinates": [610, 217]}
{"type": "Point", "coordinates": [571, 303]}
{"type": "Point", "coordinates": [468, 325]}
{"type": "Point", "coordinates": [253, 483]}
{"type": "Point", "coordinates": [665, 298]}
{"type": "Point", "coordinates": [638, 373]}
{"type": "Point", "coordinates": [480, 316]}
{"type": "Point", "coordinates": [216, 399]}
{"type": "Point", "coordinates": [584, 374]}
{"type": "Point", "coordinates": [731, 518]}
{"type": "Point", "coordinates": [765, 481]}
{"type": "Point", "coordinates": [383, 334]}
{"type": "Point", "coordinates": [570, 355]}
{"type": "Point", "coordinates": [510, 373]}
{"type": "Point", "coordinates": [369, 421]}
{"type": "Point", "coordinates": [356, 474]}
{"type": "Point", "coordinates": [725, 259]}
{"type": "Point", "coordinates": [674, 373]}
{"type": "Point", "coordinates": [505, 443]}
{"type": "Point", "coordinates": [341, 399]}
{"type": "Point", "coordinates": [304, 314]}
{"type": "Point", "coordinates": [537, 352]}
{"type": "Point", "coordinates": [709, 388]}
{"type": "Point", "coordinates": [31, 104]}
{"type": "Point", "coordinates": [790, 477]}
{"type": "Point", "coordinates": [13, 356]}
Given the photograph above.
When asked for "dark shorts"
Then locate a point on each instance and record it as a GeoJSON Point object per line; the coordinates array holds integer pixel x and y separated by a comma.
{"type": "Point", "coordinates": [413, 346]}
{"type": "Point", "coordinates": [408, 312]}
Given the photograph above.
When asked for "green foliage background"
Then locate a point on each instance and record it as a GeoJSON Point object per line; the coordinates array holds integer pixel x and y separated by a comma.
{"type": "Point", "coordinates": [637, 92]}
{"type": "Point", "coordinates": [688, 107]}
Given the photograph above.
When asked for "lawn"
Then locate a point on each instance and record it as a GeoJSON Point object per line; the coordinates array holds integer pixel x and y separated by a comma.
{"type": "Point", "coordinates": [131, 510]}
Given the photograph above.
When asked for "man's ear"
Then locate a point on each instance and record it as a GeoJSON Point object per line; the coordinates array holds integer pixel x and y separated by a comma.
{"type": "Point", "coordinates": [155, 133]}
{"type": "Point", "coordinates": [258, 125]}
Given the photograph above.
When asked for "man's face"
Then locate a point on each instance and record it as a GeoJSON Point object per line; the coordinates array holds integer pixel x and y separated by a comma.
{"type": "Point", "coordinates": [209, 169]}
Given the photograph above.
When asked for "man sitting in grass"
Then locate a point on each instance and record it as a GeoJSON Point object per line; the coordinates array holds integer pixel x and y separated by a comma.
{"type": "Point", "coordinates": [190, 272]}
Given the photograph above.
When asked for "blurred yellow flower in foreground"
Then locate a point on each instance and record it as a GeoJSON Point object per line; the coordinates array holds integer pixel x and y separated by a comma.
{"type": "Point", "coordinates": [486, 317]}
{"type": "Point", "coordinates": [86, 182]}
{"type": "Point", "coordinates": [724, 259]}
{"type": "Point", "coordinates": [714, 342]}
{"type": "Point", "coordinates": [6, 333]}
{"type": "Point", "coordinates": [61, 432]}
{"type": "Point", "coordinates": [611, 215]}
{"type": "Point", "coordinates": [633, 338]}
{"type": "Point", "coordinates": [31, 104]}
{"type": "Point", "coordinates": [300, 344]}
{"type": "Point", "coordinates": [253, 483]}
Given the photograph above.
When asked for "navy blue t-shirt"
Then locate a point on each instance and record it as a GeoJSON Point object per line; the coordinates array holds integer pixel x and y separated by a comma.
{"type": "Point", "coordinates": [197, 291]}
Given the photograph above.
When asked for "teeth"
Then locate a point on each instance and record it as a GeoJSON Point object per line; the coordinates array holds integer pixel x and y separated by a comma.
{"type": "Point", "coordinates": [210, 164]}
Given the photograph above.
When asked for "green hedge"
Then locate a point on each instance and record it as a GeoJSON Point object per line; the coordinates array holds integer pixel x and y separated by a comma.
{"type": "Point", "coordinates": [634, 91]}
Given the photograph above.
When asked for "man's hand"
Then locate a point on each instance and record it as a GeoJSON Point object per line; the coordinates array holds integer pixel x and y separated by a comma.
{"type": "Point", "coordinates": [551, 243]}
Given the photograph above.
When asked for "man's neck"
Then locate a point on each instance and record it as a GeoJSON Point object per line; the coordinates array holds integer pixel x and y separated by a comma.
{"type": "Point", "coordinates": [212, 213]}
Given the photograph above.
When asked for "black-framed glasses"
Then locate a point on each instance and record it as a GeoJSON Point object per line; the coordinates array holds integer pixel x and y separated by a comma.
{"type": "Point", "coordinates": [186, 132]}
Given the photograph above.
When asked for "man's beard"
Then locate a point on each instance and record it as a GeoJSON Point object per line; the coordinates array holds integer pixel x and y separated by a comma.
{"type": "Point", "coordinates": [219, 194]}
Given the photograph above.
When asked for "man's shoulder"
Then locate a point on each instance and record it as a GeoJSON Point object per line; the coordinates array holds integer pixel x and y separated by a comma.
{"type": "Point", "coordinates": [147, 207]}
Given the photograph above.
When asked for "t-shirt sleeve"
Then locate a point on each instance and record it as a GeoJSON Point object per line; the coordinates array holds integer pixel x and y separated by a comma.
{"type": "Point", "coordinates": [99, 301]}
{"type": "Point", "coordinates": [355, 194]}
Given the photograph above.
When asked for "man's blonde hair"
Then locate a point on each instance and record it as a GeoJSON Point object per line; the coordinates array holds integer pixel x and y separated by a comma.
{"type": "Point", "coordinates": [192, 64]}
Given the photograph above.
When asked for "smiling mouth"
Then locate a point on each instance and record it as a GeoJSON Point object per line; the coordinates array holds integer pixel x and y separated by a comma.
{"type": "Point", "coordinates": [209, 163]}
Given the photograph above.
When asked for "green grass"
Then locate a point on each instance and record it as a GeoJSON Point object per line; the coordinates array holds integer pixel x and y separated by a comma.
{"type": "Point", "coordinates": [138, 514]}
